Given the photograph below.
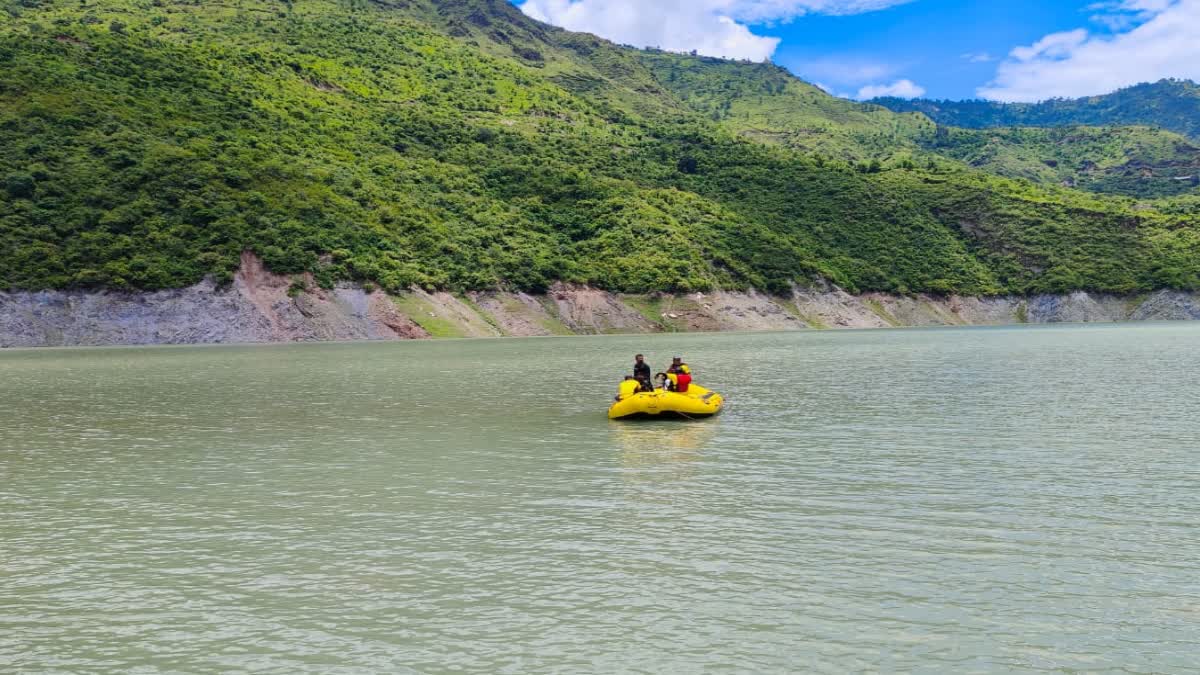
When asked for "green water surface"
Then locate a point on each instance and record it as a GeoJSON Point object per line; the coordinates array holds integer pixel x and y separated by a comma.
{"type": "Point", "coordinates": [959, 500]}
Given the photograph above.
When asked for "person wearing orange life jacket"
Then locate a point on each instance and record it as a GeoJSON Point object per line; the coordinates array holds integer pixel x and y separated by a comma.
{"type": "Point", "coordinates": [682, 373]}
{"type": "Point", "coordinates": [683, 379]}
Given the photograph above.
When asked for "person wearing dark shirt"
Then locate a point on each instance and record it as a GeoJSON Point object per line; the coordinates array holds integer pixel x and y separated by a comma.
{"type": "Point", "coordinates": [641, 373]}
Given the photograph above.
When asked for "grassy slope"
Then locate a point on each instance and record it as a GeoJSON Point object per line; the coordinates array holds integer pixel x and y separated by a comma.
{"type": "Point", "coordinates": [458, 145]}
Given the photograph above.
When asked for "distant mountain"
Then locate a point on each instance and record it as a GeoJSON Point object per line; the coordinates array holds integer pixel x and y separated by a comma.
{"type": "Point", "coordinates": [765, 103]}
{"type": "Point", "coordinates": [1173, 105]}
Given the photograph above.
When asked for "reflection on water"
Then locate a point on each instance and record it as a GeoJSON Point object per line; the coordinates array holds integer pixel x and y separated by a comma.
{"type": "Point", "coordinates": [928, 500]}
{"type": "Point", "coordinates": [654, 452]}
{"type": "Point", "coordinates": [685, 437]}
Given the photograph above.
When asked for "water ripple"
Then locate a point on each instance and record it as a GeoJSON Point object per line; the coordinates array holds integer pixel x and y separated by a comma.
{"type": "Point", "coordinates": [943, 500]}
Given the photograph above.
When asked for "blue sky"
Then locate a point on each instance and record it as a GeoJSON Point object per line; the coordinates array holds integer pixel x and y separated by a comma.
{"type": "Point", "coordinates": [1017, 50]}
{"type": "Point", "coordinates": [948, 47]}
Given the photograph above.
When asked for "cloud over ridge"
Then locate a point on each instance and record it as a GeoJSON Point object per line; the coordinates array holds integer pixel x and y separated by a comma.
{"type": "Point", "coordinates": [1154, 39]}
{"type": "Point", "coordinates": [898, 89]}
{"type": "Point", "coordinates": [710, 27]}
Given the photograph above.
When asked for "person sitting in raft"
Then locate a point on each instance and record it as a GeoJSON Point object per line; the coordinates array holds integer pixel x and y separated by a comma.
{"type": "Point", "coordinates": [683, 379]}
{"type": "Point", "coordinates": [679, 367]}
{"type": "Point", "coordinates": [628, 388]}
{"type": "Point", "coordinates": [673, 379]}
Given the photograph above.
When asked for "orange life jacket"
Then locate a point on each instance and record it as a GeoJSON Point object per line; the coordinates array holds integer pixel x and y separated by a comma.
{"type": "Point", "coordinates": [682, 382]}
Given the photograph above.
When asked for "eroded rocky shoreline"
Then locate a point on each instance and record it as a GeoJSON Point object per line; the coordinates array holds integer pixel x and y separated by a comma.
{"type": "Point", "coordinates": [263, 307]}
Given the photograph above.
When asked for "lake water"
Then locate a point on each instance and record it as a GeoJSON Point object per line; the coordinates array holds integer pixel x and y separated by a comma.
{"type": "Point", "coordinates": [933, 500]}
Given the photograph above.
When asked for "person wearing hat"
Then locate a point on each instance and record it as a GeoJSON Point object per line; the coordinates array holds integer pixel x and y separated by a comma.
{"type": "Point", "coordinates": [682, 373]}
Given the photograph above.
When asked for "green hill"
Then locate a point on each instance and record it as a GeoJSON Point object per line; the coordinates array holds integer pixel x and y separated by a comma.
{"type": "Point", "coordinates": [766, 104]}
{"type": "Point", "coordinates": [1135, 161]}
{"type": "Point", "coordinates": [1173, 105]}
{"type": "Point", "coordinates": [457, 144]}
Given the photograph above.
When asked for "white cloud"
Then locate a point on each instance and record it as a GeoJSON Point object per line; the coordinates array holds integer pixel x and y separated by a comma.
{"type": "Point", "coordinates": [1148, 7]}
{"type": "Point", "coordinates": [899, 89]}
{"type": "Point", "coordinates": [1161, 39]}
{"type": "Point", "coordinates": [978, 57]}
{"type": "Point", "coordinates": [831, 91]}
{"type": "Point", "coordinates": [1054, 45]}
{"type": "Point", "coordinates": [711, 27]}
{"type": "Point", "coordinates": [845, 70]}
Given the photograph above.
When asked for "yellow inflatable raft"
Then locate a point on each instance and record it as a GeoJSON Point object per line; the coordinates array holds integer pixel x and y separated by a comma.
{"type": "Point", "coordinates": [697, 402]}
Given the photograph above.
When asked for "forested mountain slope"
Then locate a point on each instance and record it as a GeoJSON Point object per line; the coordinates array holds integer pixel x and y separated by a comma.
{"type": "Point", "coordinates": [459, 145]}
{"type": "Point", "coordinates": [1134, 161]}
{"type": "Point", "coordinates": [765, 103]}
{"type": "Point", "coordinates": [1173, 105]}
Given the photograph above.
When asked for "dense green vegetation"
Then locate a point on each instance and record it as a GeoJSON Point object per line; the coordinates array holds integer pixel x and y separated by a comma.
{"type": "Point", "coordinates": [765, 103]}
{"type": "Point", "coordinates": [1173, 105]}
{"type": "Point", "coordinates": [1135, 161]}
{"type": "Point", "coordinates": [457, 144]}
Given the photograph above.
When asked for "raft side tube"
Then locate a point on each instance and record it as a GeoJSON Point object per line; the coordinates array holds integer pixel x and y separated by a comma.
{"type": "Point", "coordinates": [696, 403]}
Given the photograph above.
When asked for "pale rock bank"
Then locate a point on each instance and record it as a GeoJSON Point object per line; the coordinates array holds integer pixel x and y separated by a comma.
{"type": "Point", "coordinates": [260, 306]}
